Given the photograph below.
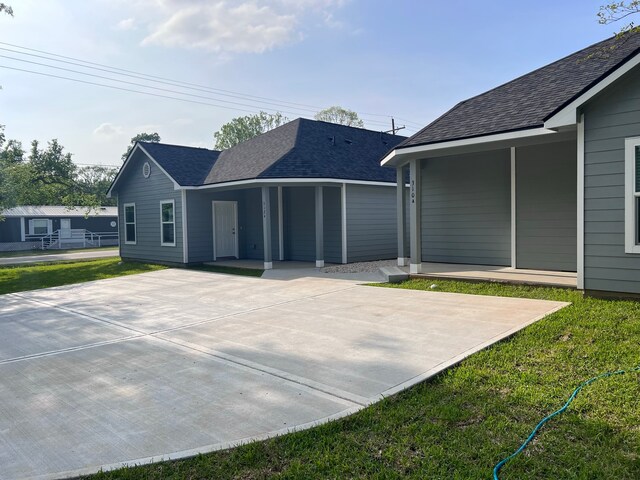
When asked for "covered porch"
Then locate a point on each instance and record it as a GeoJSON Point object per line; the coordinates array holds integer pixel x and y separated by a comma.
{"type": "Point", "coordinates": [500, 211]}
{"type": "Point", "coordinates": [268, 223]}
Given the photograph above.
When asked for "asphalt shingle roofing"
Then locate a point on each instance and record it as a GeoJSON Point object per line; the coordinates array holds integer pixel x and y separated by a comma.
{"type": "Point", "coordinates": [529, 100]}
{"type": "Point", "coordinates": [299, 149]}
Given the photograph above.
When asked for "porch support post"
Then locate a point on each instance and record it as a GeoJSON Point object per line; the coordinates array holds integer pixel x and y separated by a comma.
{"type": "Point", "coordinates": [343, 195]}
{"type": "Point", "coordinates": [401, 210]}
{"type": "Point", "coordinates": [319, 228]}
{"type": "Point", "coordinates": [415, 223]}
{"type": "Point", "coordinates": [22, 229]}
{"type": "Point", "coordinates": [280, 226]}
{"type": "Point", "coordinates": [580, 213]}
{"type": "Point", "coordinates": [266, 228]}
{"type": "Point", "coordinates": [513, 208]}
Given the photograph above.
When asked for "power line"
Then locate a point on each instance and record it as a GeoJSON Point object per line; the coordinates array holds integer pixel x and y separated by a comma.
{"type": "Point", "coordinates": [184, 85]}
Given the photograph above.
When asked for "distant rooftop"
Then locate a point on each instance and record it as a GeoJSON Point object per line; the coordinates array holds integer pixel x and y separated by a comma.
{"type": "Point", "coordinates": [59, 211]}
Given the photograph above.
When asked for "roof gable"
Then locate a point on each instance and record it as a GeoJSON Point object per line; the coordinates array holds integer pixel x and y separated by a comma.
{"type": "Point", "coordinates": [529, 100]}
{"type": "Point", "coordinates": [187, 166]}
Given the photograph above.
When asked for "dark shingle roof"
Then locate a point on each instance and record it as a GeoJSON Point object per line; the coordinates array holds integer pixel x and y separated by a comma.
{"type": "Point", "coordinates": [308, 149]}
{"type": "Point", "coordinates": [188, 166]}
{"type": "Point", "coordinates": [299, 149]}
{"type": "Point", "coordinates": [528, 101]}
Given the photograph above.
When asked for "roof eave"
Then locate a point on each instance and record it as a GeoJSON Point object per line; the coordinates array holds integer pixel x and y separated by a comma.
{"type": "Point", "coordinates": [400, 156]}
{"type": "Point", "coordinates": [568, 115]}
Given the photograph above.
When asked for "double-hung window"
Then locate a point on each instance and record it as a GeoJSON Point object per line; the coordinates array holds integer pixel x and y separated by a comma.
{"type": "Point", "coordinates": [167, 223]}
{"type": "Point", "coordinates": [39, 226]}
{"type": "Point", "coordinates": [632, 196]}
{"type": "Point", "coordinates": [130, 223]}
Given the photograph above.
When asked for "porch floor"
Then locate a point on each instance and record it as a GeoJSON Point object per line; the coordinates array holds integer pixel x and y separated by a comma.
{"type": "Point", "coordinates": [499, 274]}
{"type": "Point", "coordinates": [259, 264]}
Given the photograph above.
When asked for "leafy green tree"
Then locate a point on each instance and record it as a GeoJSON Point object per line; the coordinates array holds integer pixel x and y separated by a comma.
{"type": "Point", "coordinates": [6, 9]}
{"type": "Point", "coordinates": [241, 129]}
{"type": "Point", "coordinates": [616, 11]}
{"type": "Point", "coordinates": [141, 137]}
{"type": "Point", "coordinates": [95, 180]}
{"type": "Point", "coordinates": [340, 115]}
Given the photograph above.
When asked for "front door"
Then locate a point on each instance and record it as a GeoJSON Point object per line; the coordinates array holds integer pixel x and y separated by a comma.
{"type": "Point", "coordinates": [65, 228]}
{"type": "Point", "coordinates": [225, 226]}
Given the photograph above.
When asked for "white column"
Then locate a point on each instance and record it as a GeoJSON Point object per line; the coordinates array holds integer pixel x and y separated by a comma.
{"type": "Point", "coordinates": [22, 230]}
{"type": "Point", "coordinates": [266, 228]}
{"type": "Point", "coordinates": [513, 208]}
{"type": "Point", "coordinates": [280, 226]}
{"type": "Point", "coordinates": [415, 223]}
{"type": "Point", "coordinates": [580, 184]}
{"type": "Point", "coordinates": [319, 228]}
{"type": "Point", "coordinates": [344, 222]}
{"type": "Point", "coordinates": [401, 210]}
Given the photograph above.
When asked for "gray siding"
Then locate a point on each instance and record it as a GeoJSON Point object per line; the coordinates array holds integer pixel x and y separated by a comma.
{"type": "Point", "coordinates": [466, 209]}
{"type": "Point", "coordinates": [250, 238]}
{"type": "Point", "coordinates": [332, 206]}
{"type": "Point", "coordinates": [10, 230]}
{"type": "Point", "coordinates": [609, 119]}
{"type": "Point", "coordinates": [299, 224]}
{"type": "Point", "coordinates": [371, 223]}
{"type": "Point", "coordinates": [147, 193]}
{"type": "Point", "coordinates": [546, 203]}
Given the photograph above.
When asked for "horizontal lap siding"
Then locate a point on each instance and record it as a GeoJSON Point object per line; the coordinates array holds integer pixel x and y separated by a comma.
{"type": "Point", "coordinates": [147, 193]}
{"type": "Point", "coordinates": [299, 224]}
{"type": "Point", "coordinates": [249, 210]}
{"type": "Point", "coordinates": [546, 204]}
{"type": "Point", "coordinates": [332, 225]}
{"type": "Point", "coordinates": [10, 230]}
{"type": "Point", "coordinates": [371, 223]}
{"type": "Point", "coordinates": [609, 119]}
{"type": "Point", "coordinates": [466, 209]}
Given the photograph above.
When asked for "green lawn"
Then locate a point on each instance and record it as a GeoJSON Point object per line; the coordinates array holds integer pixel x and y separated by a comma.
{"type": "Point", "coordinates": [50, 274]}
{"type": "Point", "coordinates": [459, 424]}
{"type": "Point", "coordinates": [32, 253]}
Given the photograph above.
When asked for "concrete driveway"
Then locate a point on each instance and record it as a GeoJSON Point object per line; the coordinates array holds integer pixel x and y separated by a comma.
{"type": "Point", "coordinates": [174, 362]}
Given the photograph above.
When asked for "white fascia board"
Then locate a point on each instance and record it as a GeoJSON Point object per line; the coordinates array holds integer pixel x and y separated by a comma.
{"type": "Point", "coordinates": [402, 155]}
{"type": "Point", "coordinates": [285, 181]}
{"type": "Point", "coordinates": [569, 116]}
{"type": "Point", "coordinates": [176, 186]}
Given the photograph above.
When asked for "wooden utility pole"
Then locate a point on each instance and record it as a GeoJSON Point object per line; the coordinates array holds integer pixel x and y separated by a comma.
{"type": "Point", "coordinates": [394, 129]}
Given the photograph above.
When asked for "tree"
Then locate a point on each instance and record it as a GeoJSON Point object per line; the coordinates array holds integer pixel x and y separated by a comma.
{"type": "Point", "coordinates": [6, 9]}
{"type": "Point", "coordinates": [141, 137]}
{"type": "Point", "coordinates": [340, 115]}
{"type": "Point", "coordinates": [615, 11]}
{"type": "Point", "coordinates": [95, 180]}
{"type": "Point", "coordinates": [241, 129]}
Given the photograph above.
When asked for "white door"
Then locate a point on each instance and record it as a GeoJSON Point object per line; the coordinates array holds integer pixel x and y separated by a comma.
{"type": "Point", "coordinates": [225, 225]}
{"type": "Point", "coordinates": [65, 228]}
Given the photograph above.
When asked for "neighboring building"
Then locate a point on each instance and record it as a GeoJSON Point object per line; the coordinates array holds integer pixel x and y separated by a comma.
{"type": "Point", "coordinates": [540, 173]}
{"type": "Point", "coordinates": [54, 226]}
{"type": "Point", "coordinates": [307, 191]}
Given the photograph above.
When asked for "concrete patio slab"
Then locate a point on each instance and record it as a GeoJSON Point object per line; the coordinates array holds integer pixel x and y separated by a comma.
{"type": "Point", "coordinates": [174, 362]}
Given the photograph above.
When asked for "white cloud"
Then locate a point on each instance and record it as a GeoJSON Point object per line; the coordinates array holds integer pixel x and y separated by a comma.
{"type": "Point", "coordinates": [126, 24]}
{"type": "Point", "coordinates": [246, 26]}
{"type": "Point", "coordinates": [183, 121]}
{"type": "Point", "coordinates": [108, 131]}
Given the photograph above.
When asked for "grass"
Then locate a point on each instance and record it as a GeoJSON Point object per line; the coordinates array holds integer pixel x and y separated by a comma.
{"type": "Point", "coordinates": [52, 274]}
{"type": "Point", "coordinates": [459, 424]}
{"type": "Point", "coordinates": [247, 272]}
{"type": "Point", "coordinates": [37, 253]}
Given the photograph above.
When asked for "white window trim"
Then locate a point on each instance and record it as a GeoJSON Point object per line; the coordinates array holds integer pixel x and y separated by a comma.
{"type": "Point", "coordinates": [32, 226]}
{"type": "Point", "coordinates": [125, 223]}
{"type": "Point", "coordinates": [173, 206]}
{"type": "Point", "coordinates": [630, 194]}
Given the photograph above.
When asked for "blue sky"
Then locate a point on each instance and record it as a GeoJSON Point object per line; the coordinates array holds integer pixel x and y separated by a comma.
{"type": "Point", "coordinates": [411, 59]}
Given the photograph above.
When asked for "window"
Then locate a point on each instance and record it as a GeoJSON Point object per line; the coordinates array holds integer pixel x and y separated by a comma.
{"type": "Point", "coordinates": [39, 226]}
{"type": "Point", "coordinates": [167, 223]}
{"type": "Point", "coordinates": [632, 195]}
{"type": "Point", "coordinates": [130, 223]}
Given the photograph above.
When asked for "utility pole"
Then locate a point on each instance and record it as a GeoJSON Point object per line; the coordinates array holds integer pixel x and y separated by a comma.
{"type": "Point", "coordinates": [394, 129]}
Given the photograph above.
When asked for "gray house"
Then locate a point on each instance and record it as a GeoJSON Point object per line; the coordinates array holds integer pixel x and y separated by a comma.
{"type": "Point", "coordinates": [541, 173]}
{"type": "Point", "coordinates": [306, 191]}
{"type": "Point", "coordinates": [55, 226]}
